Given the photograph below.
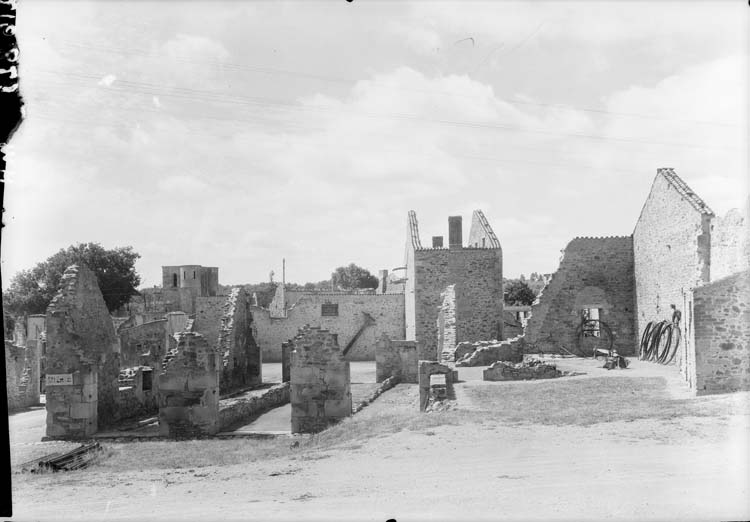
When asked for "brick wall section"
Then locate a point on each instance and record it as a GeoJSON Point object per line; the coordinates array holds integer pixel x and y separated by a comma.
{"type": "Point", "coordinates": [386, 309]}
{"type": "Point", "coordinates": [593, 273]}
{"type": "Point", "coordinates": [241, 357]}
{"type": "Point", "coordinates": [146, 338]}
{"type": "Point", "coordinates": [396, 358]}
{"type": "Point", "coordinates": [189, 389]}
{"type": "Point", "coordinates": [722, 335]}
{"type": "Point", "coordinates": [671, 249]}
{"type": "Point", "coordinates": [320, 381]}
{"type": "Point", "coordinates": [730, 244]}
{"type": "Point", "coordinates": [81, 341]}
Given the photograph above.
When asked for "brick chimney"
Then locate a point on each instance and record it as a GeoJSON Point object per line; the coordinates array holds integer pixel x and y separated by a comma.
{"type": "Point", "coordinates": [437, 241]}
{"type": "Point", "coordinates": [455, 239]}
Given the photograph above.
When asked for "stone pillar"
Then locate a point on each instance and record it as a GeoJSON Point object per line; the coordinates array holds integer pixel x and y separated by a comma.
{"type": "Point", "coordinates": [437, 241]}
{"type": "Point", "coordinates": [189, 389]}
{"type": "Point", "coordinates": [320, 381]}
{"type": "Point", "coordinates": [455, 232]}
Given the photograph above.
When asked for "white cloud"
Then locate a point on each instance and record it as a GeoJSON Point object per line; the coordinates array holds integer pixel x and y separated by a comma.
{"type": "Point", "coordinates": [107, 81]}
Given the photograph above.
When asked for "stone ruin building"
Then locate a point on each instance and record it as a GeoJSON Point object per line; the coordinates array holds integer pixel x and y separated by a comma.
{"type": "Point", "coordinates": [453, 293]}
{"type": "Point", "coordinates": [683, 265]}
{"type": "Point", "coordinates": [320, 381]}
{"type": "Point", "coordinates": [178, 365]}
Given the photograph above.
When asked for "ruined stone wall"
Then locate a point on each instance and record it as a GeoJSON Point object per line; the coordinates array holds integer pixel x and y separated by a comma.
{"type": "Point", "coordinates": [143, 345]}
{"type": "Point", "coordinates": [446, 325]}
{"type": "Point", "coordinates": [320, 381]}
{"type": "Point", "coordinates": [721, 350]}
{"type": "Point", "coordinates": [81, 344]}
{"type": "Point", "coordinates": [21, 375]}
{"type": "Point", "coordinates": [593, 273]}
{"type": "Point", "coordinates": [730, 244]}
{"type": "Point", "coordinates": [396, 358]}
{"type": "Point", "coordinates": [188, 386]}
{"type": "Point", "coordinates": [386, 309]}
{"type": "Point", "coordinates": [478, 279]}
{"type": "Point", "coordinates": [241, 356]}
{"type": "Point", "coordinates": [208, 314]}
{"type": "Point", "coordinates": [671, 249]}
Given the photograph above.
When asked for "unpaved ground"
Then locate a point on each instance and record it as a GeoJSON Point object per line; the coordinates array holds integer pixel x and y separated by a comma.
{"type": "Point", "coordinates": [468, 463]}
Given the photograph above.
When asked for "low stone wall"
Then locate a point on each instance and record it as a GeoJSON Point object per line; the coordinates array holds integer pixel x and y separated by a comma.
{"type": "Point", "coordinates": [483, 353]}
{"type": "Point", "coordinates": [398, 359]}
{"type": "Point", "coordinates": [386, 385]}
{"type": "Point", "coordinates": [245, 407]}
{"type": "Point", "coordinates": [501, 371]}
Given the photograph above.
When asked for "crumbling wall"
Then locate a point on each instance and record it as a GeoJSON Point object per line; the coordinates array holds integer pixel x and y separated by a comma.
{"type": "Point", "coordinates": [671, 249]}
{"type": "Point", "coordinates": [143, 345]}
{"type": "Point", "coordinates": [730, 244]}
{"type": "Point", "coordinates": [721, 349]}
{"type": "Point", "coordinates": [82, 362]}
{"type": "Point", "coordinates": [241, 356]}
{"type": "Point", "coordinates": [21, 375]}
{"type": "Point", "coordinates": [320, 381]}
{"type": "Point", "coordinates": [593, 273]}
{"type": "Point", "coordinates": [189, 388]}
{"type": "Point", "coordinates": [396, 358]}
{"type": "Point", "coordinates": [387, 310]}
{"type": "Point", "coordinates": [446, 325]}
{"type": "Point", "coordinates": [208, 316]}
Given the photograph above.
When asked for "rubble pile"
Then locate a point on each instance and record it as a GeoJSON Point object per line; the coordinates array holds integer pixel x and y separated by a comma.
{"type": "Point", "coordinates": [533, 369]}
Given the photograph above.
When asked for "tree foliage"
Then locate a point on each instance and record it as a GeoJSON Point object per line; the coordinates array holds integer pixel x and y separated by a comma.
{"type": "Point", "coordinates": [517, 292]}
{"type": "Point", "coordinates": [31, 290]}
{"type": "Point", "coordinates": [353, 277]}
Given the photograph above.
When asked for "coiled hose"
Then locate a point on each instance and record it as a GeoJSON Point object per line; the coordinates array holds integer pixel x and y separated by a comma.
{"type": "Point", "coordinates": [659, 342]}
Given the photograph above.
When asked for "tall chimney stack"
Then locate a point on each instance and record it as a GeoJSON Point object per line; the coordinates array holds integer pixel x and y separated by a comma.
{"type": "Point", "coordinates": [455, 239]}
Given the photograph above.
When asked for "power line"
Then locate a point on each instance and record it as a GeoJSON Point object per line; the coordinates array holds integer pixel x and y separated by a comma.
{"type": "Point", "coordinates": [348, 81]}
{"type": "Point", "coordinates": [195, 95]}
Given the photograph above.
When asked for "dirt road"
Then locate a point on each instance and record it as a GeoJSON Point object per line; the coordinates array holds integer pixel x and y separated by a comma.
{"type": "Point", "coordinates": [470, 465]}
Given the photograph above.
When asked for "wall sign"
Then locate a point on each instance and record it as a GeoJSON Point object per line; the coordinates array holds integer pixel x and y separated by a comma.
{"type": "Point", "coordinates": [59, 379]}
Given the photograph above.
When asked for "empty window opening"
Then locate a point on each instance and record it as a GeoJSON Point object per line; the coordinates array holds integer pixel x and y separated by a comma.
{"type": "Point", "coordinates": [329, 309]}
{"type": "Point", "coordinates": [193, 274]}
{"type": "Point", "coordinates": [174, 279]}
{"type": "Point", "coordinates": [591, 324]}
{"type": "Point", "coordinates": [147, 380]}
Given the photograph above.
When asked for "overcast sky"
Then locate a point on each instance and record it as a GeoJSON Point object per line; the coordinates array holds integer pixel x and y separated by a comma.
{"type": "Point", "coordinates": [235, 134]}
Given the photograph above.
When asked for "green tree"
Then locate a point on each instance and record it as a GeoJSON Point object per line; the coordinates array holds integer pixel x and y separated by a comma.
{"type": "Point", "coordinates": [31, 290]}
{"type": "Point", "coordinates": [517, 292]}
{"type": "Point", "coordinates": [352, 277]}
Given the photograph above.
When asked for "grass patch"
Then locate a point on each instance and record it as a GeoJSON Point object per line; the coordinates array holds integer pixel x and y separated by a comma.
{"type": "Point", "coordinates": [582, 402]}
